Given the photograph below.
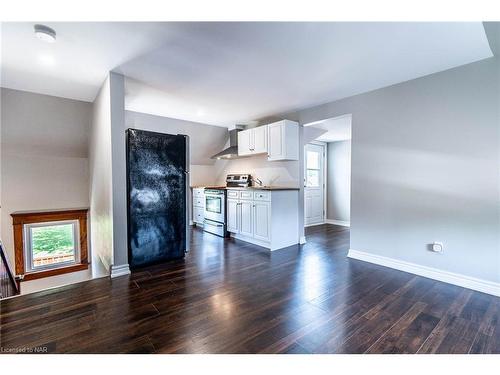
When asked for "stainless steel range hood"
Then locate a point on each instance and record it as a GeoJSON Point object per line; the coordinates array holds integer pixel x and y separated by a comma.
{"type": "Point", "coordinates": [232, 151]}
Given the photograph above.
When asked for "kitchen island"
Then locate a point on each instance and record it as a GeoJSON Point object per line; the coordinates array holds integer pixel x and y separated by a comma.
{"type": "Point", "coordinates": [267, 216]}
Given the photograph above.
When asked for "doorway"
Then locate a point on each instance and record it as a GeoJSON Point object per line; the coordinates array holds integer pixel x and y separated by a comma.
{"type": "Point", "coordinates": [314, 183]}
{"type": "Point", "coordinates": [327, 171]}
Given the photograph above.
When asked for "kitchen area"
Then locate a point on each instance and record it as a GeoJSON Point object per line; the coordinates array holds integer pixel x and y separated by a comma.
{"type": "Point", "coordinates": [258, 200]}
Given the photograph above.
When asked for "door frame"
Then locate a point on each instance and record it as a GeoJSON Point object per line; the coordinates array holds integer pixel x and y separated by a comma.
{"type": "Point", "coordinates": [324, 145]}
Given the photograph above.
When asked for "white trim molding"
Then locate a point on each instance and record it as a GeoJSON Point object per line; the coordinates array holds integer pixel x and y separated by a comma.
{"type": "Point", "coordinates": [302, 240]}
{"type": "Point", "coordinates": [315, 224]}
{"type": "Point", "coordinates": [469, 282]}
{"type": "Point", "coordinates": [338, 222]}
{"type": "Point", "coordinates": [121, 270]}
{"type": "Point", "coordinates": [104, 262]}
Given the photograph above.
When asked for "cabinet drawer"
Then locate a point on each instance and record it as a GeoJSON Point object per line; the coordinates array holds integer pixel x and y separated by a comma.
{"type": "Point", "coordinates": [233, 194]}
{"type": "Point", "coordinates": [198, 214]}
{"type": "Point", "coordinates": [244, 194]}
{"type": "Point", "coordinates": [262, 196]}
{"type": "Point", "coordinates": [199, 202]}
{"type": "Point", "coordinates": [198, 192]}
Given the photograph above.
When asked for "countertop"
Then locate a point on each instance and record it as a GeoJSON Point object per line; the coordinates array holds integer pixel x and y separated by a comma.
{"type": "Point", "coordinates": [272, 187]}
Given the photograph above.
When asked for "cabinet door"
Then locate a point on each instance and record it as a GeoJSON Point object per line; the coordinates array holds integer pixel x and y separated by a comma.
{"type": "Point", "coordinates": [199, 201]}
{"type": "Point", "coordinates": [198, 215]}
{"type": "Point", "coordinates": [244, 142]}
{"type": "Point", "coordinates": [260, 139]}
{"type": "Point", "coordinates": [276, 146]}
{"type": "Point", "coordinates": [246, 223]}
{"type": "Point", "coordinates": [262, 221]}
{"type": "Point", "coordinates": [232, 216]}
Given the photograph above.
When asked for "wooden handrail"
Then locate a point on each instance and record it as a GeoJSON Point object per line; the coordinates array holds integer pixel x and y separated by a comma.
{"type": "Point", "coordinates": [9, 286]}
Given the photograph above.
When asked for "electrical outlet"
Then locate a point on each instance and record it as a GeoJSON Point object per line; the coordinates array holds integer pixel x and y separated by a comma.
{"type": "Point", "coordinates": [436, 247]}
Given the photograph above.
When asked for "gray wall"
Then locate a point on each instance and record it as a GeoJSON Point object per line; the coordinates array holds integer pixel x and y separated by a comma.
{"type": "Point", "coordinates": [425, 158]}
{"type": "Point", "coordinates": [338, 175]}
{"type": "Point", "coordinates": [43, 157]}
{"type": "Point", "coordinates": [205, 140]}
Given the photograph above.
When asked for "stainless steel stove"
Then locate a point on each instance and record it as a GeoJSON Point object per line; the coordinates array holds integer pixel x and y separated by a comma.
{"type": "Point", "coordinates": [215, 204]}
{"type": "Point", "coordinates": [215, 211]}
{"type": "Point", "coordinates": [238, 180]}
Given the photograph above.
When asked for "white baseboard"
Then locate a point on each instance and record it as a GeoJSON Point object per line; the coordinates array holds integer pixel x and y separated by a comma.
{"type": "Point", "coordinates": [254, 241]}
{"type": "Point", "coordinates": [338, 222]}
{"type": "Point", "coordinates": [265, 244]}
{"type": "Point", "coordinates": [314, 224]}
{"type": "Point", "coordinates": [104, 262]}
{"type": "Point", "coordinates": [302, 240]}
{"type": "Point", "coordinates": [473, 283]}
{"type": "Point", "coordinates": [121, 270]}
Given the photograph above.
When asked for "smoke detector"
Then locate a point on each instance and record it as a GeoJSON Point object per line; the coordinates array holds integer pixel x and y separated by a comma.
{"type": "Point", "coordinates": [45, 33]}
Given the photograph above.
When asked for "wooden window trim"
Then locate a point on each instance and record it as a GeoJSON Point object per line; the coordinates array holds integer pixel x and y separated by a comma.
{"type": "Point", "coordinates": [19, 219]}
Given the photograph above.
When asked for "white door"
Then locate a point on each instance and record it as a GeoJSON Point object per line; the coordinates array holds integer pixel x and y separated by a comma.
{"type": "Point", "coordinates": [314, 183]}
{"type": "Point", "coordinates": [244, 142]}
{"type": "Point", "coordinates": [232, 216]}
{"type": "Point", "coordinates": [246, 222]}
{"type": "Point", "coordinates": [260, 139]}
{"type": "Point", "coordinates": [275, 140]}
{"type": "Point", "coordinates": [262, 220]}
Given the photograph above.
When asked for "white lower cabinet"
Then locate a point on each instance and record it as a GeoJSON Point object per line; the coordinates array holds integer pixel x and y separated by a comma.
{"type": "Point", "coordinates": [265, 218]}
{"type": "Point", "coordinates": [247, 220]}
{"type": "Point", "coordinates": [198, 215]}
{"type": "Point", "coordinates": [198, 205]}
{"type": "Point", "coordinates": [262, 222]}
{"type": "Point", "coordinates": [240, 217]}
{"type": "Point", "coordinates": [233, 224]}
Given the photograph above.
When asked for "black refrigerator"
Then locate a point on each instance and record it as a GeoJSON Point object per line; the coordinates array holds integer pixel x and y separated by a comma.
{"type": "Point", "coordinates": [157, 194]}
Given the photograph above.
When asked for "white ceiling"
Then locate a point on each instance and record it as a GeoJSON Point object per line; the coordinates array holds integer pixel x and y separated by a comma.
{"type": "Point", "coordinates": [336, 128]}
{"type": "Point", "coordinates": [223, 73]}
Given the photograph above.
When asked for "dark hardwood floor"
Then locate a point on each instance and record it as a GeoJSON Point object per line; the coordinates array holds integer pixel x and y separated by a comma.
{"type": "Point", "coordinates": [231, 297]}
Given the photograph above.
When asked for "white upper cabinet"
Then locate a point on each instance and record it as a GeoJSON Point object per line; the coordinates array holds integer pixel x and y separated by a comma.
{"type": "Point", "coordinates": [252, 141]}
{"type": "Point", "coordinates": [244, 142]}
{"type": "Point", "coordinates": [283, 140]}
{"type": "Point", "coordinates": [280, 140]}
{"type": "Point", "coordinates": [260, 140]}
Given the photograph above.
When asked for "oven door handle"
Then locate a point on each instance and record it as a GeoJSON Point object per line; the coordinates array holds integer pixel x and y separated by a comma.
{"type": "Point", "coordinates": [213, 225]}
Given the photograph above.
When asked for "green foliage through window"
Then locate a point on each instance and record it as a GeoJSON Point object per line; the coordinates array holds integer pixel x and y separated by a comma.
{"type": "Point", "coordinates": [52, 240]}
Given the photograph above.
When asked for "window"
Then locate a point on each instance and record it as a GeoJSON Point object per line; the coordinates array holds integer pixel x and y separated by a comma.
{"type": "Point", "coordinates": [312, 169]}
{"type": "Point", "coordinates": [312, 178]}
{"type": "Point", "coordinates": [312, 160]}
{"type": "Point", "coordinates": [213, 204]}
{"type": "Point", "coordinates": [49, 243]}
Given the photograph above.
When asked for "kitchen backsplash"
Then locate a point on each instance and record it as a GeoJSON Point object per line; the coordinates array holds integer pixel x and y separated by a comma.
{"type": "Point", "coordinates": [282, 173]}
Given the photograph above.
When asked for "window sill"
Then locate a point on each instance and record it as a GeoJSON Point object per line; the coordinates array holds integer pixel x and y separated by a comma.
{"type": "Point", "coordinates": [55, 271]}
